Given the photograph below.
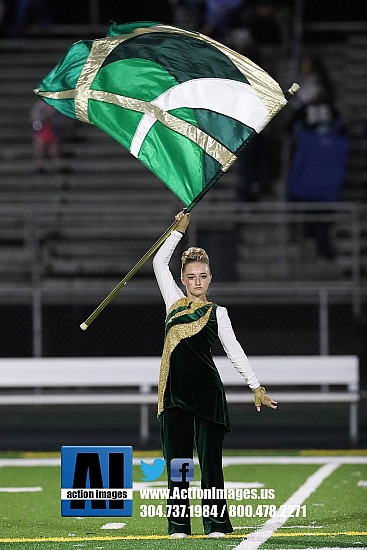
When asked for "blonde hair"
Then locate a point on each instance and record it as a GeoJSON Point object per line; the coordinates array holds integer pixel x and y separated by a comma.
{"type": "Point", "coordinates": [194, 254]}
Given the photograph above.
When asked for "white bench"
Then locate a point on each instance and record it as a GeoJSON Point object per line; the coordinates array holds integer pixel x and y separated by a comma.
{"type": "Point", "coordinates": [133, 380]}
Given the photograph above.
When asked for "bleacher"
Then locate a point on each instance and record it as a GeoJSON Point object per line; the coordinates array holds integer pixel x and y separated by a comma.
{"type": "Point", "coordinates": [103, 210]}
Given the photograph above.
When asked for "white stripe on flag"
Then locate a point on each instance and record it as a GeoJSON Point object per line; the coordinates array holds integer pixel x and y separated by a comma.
{"type": "Point", "coordinates": [230, 98]}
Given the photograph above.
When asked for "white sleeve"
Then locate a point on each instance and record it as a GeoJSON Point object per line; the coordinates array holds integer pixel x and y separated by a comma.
{"type": "Point", "coordinates": [233, 348]}
{"type": "Point", "coordinates": [167, 285]}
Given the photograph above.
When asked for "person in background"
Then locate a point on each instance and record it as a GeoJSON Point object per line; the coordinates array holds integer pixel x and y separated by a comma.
{"type": "Point", "coordinates": [218, 17]}
{"type": "Point", "coordinates": [46, 136]}
{"type": "Point", "coordinates": [30, 12]}
{"type": "Point", "coordinates": [187, 14]}
{"type": "Point", "coordinates": [260, 161]}
{"type": "Point", "coordinates": [3, 11]}
{"type": "Point", "coordinates": [319, 149]}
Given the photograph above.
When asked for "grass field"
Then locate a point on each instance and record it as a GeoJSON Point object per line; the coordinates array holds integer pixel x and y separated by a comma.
{"type": "Point", "coordinates": [327, 491]}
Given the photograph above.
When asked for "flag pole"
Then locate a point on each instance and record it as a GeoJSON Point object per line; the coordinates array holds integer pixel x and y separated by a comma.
{"type": "Point", "coordinates": [129, 276]}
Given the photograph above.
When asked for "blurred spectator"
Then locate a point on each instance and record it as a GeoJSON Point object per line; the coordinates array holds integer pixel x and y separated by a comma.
{"type": "Point", "coordinates": [187, 14]}
{"type": "Point", "coordinates": [2, 18]}
{"type": "Point", "coordinates": [259, 166]}
{"type": "Point", "coordinates": [219, 16]}
{"type": "Point", "coordinates": [250, 171]}
{"type": "Point", "coordinates": [46, 136]}
{"type": "Point", "coordinates": [262, 22]}
{"type": "Point", "coordinates": [314, 104]}
{"type": "Point", "coordinates": [256, 34]}
{"type": "Point", "coordinates": [30, 12]}
{"type": "Point", "coordinates": [320, 149]}
{"type": "Point", "coordinates": [315, 83]}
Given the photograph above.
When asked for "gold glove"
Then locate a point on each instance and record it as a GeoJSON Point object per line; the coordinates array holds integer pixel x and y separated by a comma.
{"type": "Point", "coordinates": [183, 223]}
{"type": "Point", "coordinates": [262, 399]}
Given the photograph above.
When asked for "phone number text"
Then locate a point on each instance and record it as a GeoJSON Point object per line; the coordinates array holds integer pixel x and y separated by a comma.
{"type": "Point", "coordinates": [234, 510]}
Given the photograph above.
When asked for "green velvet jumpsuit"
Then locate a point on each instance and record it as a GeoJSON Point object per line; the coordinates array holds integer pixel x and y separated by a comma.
{"type": "Point", "coordinates": [193, 407]}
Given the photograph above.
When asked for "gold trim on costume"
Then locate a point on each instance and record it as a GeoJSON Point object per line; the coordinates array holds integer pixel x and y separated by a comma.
{"type": "Point", "coordinates": [175, 335]}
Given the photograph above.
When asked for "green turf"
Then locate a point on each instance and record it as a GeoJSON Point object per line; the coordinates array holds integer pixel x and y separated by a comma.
{"type": "Point", "coordinates": [339, 501]}
{"type": "Point", "coordinates": [336, 510]}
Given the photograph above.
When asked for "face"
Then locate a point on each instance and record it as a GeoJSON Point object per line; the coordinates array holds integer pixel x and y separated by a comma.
{"type": "Point", "coordinates": [196, 278]}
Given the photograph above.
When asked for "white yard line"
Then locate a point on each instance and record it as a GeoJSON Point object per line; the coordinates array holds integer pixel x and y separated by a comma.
{"type": "Point", "coordinates": [20, 489]}
{"type": "Point", "coordinates": [227, 460]}
{"type": "Point", "coordinates": [21, 462]}
{"type": "Point", "coordinates": [339, 459]}
{"type": "Point", "coordinates": [113, 525]}
{"type": "Point", "coordinates": [255, 539]}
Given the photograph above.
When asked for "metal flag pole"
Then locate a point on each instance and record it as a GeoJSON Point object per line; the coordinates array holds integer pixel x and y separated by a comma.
{"type": "Point", "coordinates": [129, 276]}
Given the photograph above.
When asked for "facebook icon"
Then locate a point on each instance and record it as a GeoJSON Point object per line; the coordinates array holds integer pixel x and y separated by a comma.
{"type": "Point", "coordinates": [182, 469]}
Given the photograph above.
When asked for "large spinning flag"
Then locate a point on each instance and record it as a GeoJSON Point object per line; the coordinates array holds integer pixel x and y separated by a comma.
{"type": "Point", "coordinates": [182, 103]}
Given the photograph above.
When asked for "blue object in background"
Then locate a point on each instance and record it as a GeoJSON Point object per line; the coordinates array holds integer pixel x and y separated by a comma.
{"type": "Point", "coordinates": [319, 166]}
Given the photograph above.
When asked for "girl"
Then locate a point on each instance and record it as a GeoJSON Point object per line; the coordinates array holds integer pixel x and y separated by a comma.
{"type": "Point", "coordinates": [191, 399]}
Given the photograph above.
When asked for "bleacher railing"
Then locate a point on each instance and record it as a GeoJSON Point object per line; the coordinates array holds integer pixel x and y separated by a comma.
{"type": "Point", "coordinates": [261, 256]}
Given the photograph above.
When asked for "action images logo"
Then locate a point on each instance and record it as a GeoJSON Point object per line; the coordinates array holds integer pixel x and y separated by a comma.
{"type": "Point", "coordinates": [96, 481]}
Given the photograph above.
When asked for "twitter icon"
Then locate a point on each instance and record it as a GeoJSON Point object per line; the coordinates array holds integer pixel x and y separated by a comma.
{"type": "Point", "coordinates": [152, 471]}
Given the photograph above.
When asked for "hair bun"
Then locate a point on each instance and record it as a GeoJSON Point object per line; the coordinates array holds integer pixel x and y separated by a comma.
{"type": "Point", "coordinates": [194, 254]}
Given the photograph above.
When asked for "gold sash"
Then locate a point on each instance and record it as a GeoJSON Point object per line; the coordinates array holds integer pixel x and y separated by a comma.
{"type": "Point", "coordinates": [175, 334]}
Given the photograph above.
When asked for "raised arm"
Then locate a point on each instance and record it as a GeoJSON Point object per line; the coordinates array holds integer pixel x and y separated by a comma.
{"type": "Point", "coordinates": [169, 289]}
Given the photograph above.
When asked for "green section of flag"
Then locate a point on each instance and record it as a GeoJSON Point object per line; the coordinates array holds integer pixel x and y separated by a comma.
{"type": "Point", "coordinates": [65, 76]}
{"type": "Point", "coordinates": [119, 123]}
{"type": "Point", "coordinates": [130, 77]}
{"type": "Point", "coordinates": [192, 57]}
{"type": "Point", "coordinates": [127, 28]}
{"type": "Point", "coordinates": [177, 162]}
{"type": "Point", "coordinates": [224, 129]}
{"type": "Point", "coordinates": [65, 106]}
{"type": "Point", "coordinates": [212, 169]}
